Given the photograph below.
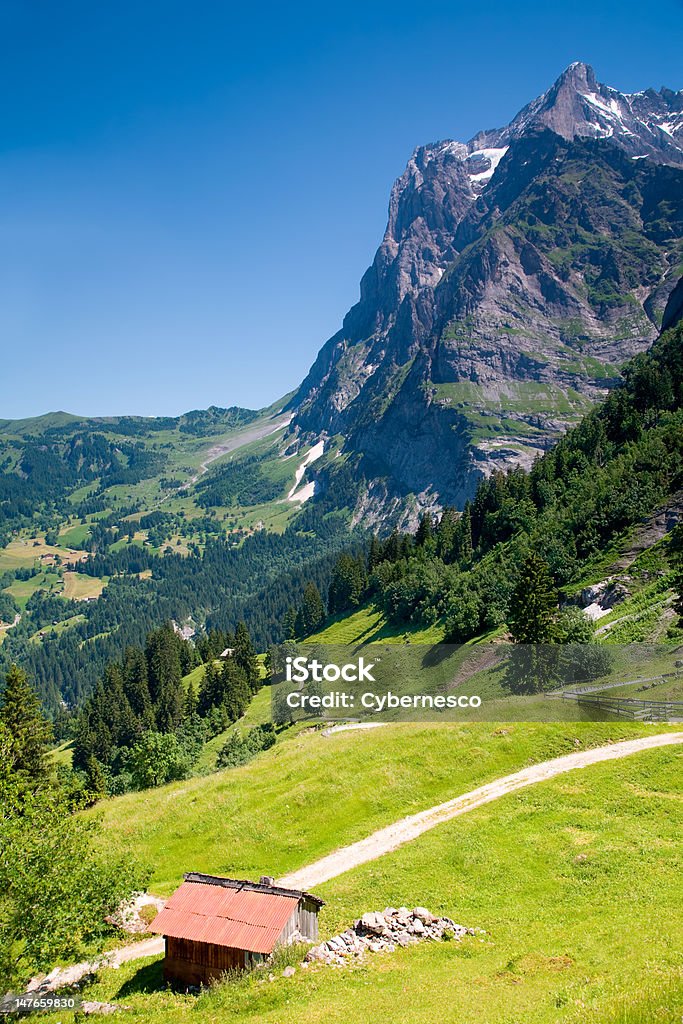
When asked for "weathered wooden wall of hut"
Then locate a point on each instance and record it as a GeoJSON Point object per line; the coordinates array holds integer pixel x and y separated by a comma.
{"type": "Point", "coordinates": [196, 963]}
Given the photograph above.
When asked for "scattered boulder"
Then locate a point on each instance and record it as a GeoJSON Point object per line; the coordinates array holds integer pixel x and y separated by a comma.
{"type": "Point", "coordinates": [377, 932]}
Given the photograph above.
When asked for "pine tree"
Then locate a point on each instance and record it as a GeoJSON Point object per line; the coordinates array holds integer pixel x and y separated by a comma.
{"type": "Point", "coordinates": [312, 611]}
{"type": "Point", "coordinates": [346, 584]}
{"type": "Point", "coordinates": [163, 661]}
{"type": "Point", "coordinates": [191, 702]}
{"type": "Point", "coordinates": [169, 710]}
{"type": "Point", "coordinates": [374, 552]}
{"type": "Point", "coordinates": [289, 624]}
{"type": "Point", "coordinates": [445, 535]}
{"type": "Point", "coordinates": [245, 657]}
{"type": "Point", "coordinates": [29, 730]}
{"type": "Point", "coordinates": [392, 549]}
{"type": "Point", "coordinates": [93, 729]}
{"type": "Point", "coordinates": [533, 605]}
{"type": "Point", "coordinates": [123, 724]}
{"type": "Point", "coordinates": [236, 689]}
{"type": "Point", "coordinates": [95, 781]}
{"type": "Point", "coordinates": [464, 536]}
{"type": "Point", "coordinates": [165, 678]}
{"type": "Point", "coordinates": [425, 530]}
{"type": "Point", "coordinates": [136, 688]}
{"type": "Point", "coordinates": [210, 689]}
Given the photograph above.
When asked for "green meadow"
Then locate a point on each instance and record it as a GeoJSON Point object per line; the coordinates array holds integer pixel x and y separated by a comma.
{"type": "Point", "coordinates": [311, 793]}
{"type": "Point", "coordinates": [576, 882]}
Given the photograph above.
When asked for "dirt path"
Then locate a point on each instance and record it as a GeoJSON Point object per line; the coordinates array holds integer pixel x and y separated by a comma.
{"type": "Point", "coordinates": [64, 977]}
{"type": "Point", "coordinates": [381, 842]}
{"type": "Point", "coordinates": [387, 839]}
{"type": "Point", "coordinates": [352, 725]}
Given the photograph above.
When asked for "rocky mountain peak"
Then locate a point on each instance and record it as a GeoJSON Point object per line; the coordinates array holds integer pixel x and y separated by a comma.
{"type": "Point", "coordinates": [645, 124]}
{"type": "Point", "coordinates": [517, 272]}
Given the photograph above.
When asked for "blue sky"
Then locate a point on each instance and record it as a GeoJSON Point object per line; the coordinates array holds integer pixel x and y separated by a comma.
{"type": "Point", "coordinates": [190, 192]}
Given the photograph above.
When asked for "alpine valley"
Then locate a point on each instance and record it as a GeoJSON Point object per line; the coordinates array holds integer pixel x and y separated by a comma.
{"type": "Point", "coordinates": [490, 450]}
{"type": "Point", "coordinates": [518, 274]}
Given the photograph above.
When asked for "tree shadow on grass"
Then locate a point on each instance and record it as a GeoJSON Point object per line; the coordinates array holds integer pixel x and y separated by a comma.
{"type": "Point", "coordinates": [148, 979]}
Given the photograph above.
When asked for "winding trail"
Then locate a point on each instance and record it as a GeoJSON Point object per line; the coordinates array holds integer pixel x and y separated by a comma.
{"type": "Point", "coordinates": [390, 838]}
{"type": "Point", "coordinates": [384, 841]}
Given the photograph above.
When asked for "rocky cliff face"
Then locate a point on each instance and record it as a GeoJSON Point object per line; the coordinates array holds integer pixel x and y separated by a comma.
{"type": "Point", "coordinates": [516, 274]}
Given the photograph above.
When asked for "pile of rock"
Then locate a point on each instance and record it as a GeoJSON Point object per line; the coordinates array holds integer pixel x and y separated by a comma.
{"type": "Point", "coordinates": [377, 932]}
{"type": "Point", "coordinates": [134, 915]}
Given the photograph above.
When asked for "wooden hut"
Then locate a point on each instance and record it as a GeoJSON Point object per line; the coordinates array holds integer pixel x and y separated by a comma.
{"type": "Point", "coordinates": [211, 925]}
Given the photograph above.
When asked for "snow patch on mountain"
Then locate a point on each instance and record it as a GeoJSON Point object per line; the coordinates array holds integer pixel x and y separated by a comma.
{"type": "Point", "coordinates": [492, 156]}
{"type": "Point", "coordinates": [308, 490]}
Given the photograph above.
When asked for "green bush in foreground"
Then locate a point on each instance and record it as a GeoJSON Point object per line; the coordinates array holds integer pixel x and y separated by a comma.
{"type": "Point", "coordinates": [55, 887]}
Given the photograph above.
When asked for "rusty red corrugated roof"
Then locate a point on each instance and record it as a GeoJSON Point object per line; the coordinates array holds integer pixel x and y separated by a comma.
{"type": "Point", "coordinates": [240, 918]}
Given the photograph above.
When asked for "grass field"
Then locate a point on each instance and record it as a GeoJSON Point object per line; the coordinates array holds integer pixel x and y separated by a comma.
{"type": "Point", "coordinates": [309, 794]}
{"type": "Point", "coordinates": [73, 535]}
{"type": "Point", "coordinates": [80, 587]}
{"type": "Point", "coordinates": [57, 628]}
{"type": "Point", "coordinates": [668, 689]}
{"type": "Point", "coordinates": [577, 883]}
{"type": "Point", "coordinates": [369, 625]}
{"type": "Point", "coordinates": [24, 553]}
{"type": "Point", "coordinates": [22, 590]}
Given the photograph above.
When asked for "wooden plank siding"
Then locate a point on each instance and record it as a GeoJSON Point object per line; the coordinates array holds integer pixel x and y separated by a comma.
{"type": "Point", "coordinates": [306, 920]}
{"type": "Point", "coordinates": [197, 963]}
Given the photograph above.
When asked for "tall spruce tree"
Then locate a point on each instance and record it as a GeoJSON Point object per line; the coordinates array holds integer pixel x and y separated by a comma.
{"type": "Point", "coordinates": [464, 536]}
{"type": "Point", "coordinates": [245, 657]}
{"type": "Point", "coordinates": [136, 687]}
{"type": "Point", "coordinates": [237, 690]}
{"type": "Point", "coordinates": [445, 535]}
{"type": "Point", "coordinates": [533, 605]}
{"type": "Point", "coordinates": [312, 611]}
{"type": "Point", "coordinates": [210, 689]}
{"type": "Point", "coordinates": [425, 530]}
{"type": "Point", "coordinates": [28, 729]}
{"type": "Point", "coordinates": [347, 583]}
{"type": "Point", "coordinates": [374, 552]}
{"type": "Point", "coordinates": [165, 677]}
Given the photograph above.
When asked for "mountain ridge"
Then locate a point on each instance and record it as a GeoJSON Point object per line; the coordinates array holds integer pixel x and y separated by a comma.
{"type": "Point", "coordinates": [496, 289]}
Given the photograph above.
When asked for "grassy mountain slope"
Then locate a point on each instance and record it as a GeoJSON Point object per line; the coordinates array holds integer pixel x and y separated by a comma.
{"type": "Point", "coordinates": [188, 519]}
{"type": "Point", "coordinates": [311, 793]}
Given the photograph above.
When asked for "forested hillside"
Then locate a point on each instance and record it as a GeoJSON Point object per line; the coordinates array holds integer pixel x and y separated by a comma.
{"type": "Point", "coordinates": [557, 525]}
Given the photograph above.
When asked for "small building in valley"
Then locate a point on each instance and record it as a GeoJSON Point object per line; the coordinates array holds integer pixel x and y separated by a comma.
{"type": "Point", "coordinates": [211, 925]}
